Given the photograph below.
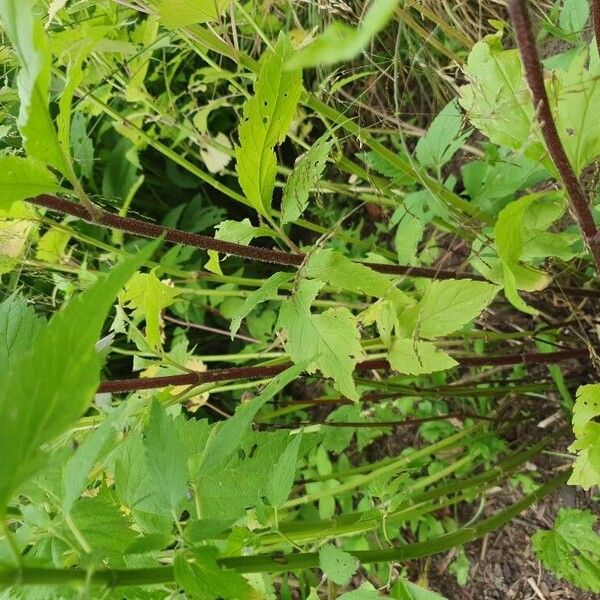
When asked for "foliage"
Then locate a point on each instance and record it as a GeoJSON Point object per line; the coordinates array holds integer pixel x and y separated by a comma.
{"type": "Point", "coordinates": [572, 548]}
{"type": "Point", "coordinates": [320, 368]}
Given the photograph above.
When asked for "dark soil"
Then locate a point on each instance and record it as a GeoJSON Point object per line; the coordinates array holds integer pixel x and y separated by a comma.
{"type": "Point", "coordinates": [504, 566]}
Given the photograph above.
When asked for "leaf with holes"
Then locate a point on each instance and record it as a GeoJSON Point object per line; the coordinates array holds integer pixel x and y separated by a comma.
{"type": "Point", "coordinates": [266, 118]}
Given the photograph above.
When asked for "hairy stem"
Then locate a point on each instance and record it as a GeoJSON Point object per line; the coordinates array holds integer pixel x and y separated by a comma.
{"type": "Point", "coordinates": [196, 378]}
{"type": "Point", "coordinates": [579, 205]}
{"type": "Point", "coordinates": [195, 240]}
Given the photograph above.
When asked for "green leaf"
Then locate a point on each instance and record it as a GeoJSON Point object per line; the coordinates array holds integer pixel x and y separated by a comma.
{"type": "Point", "coordinates": [330, 339]}
{"type": "Point", "coordinates": [574, 15]}
{"type": "Point", "coordinates": [166, 460]}
{"type": "Point", "coordinates": [365, 592]}
{"type": "Point", "coordinates": [448, 305]}
{"type": "Point", "coordinates": [572, 549]}
{"type": "Point", "coordinates": [31, 45]}
{"type": "Point", "coordinates": [267, 291]}
{"type": "Point", "coordinates": [304, 178]}
{"type": "Point", "coordinates": [227, 436]}
{"type": "Point", "coordinates": [281, 480]}
{"type": "Point", "coordinates": [18, 326]}
{"type": "Point", "coordinates": [442, 139]}
{"type": "Point", "coordinates": [517, 224]}
{"type": "Point", "coordinates": [339, 566]}
{"type": "Point", "coordinates": [414, 357]}
{"type": "Point", "coordinates": [334, 268]}
{"type": "Point", "coordinates": [460, 567]}
{"type": "Point", "coordinates": [407, 590]}
{"type": "Point", "coordinates": [55, 378]}
{"type": "Point", "coordinates": [76, 470]}
{"type": "Point", "coordinates": [586, 469]}
{"type": "Point", "coordinates": [203, 579]}
{"type": "Point", "coordinates": [498, 102]}
{"type": "Point", "coordinates": [181, 13]}
{"type": "Point", "coordinates": [240, 232]}
{"type": "Point", "coordinates": [340, 42]}
{"type": "Point", "coordinates": [121, 173]}
{"type": "Point", "coordinates": [266, 119]}
{"type": "Point", "coordinates": [101, 523]}
{"type": "Point", "coordinates": [148, 296]}
{"type": "Point", "coordinates": [22, 178]}
{"type": "Point", "coordinates": [82, 146]}
{"type": "Point", "coordinates": [587, 406]}
{"type": "Point", "coordinates": [410, 222]}
{"type": "Point", "coordinates": [52, 245]}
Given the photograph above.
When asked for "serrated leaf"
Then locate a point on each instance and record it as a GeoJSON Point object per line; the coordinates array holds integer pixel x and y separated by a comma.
{"type": "Point", "coordinates": [304, 178]}
{"type": "Point", "coordinates": [181, 13]}
{"type": "Point", "coordinates": [203, 579]}
{"type": "Point", "coordinates": [337, 270]}
{"type": "Point", "coordinates": [267, 291]}
{"type": "Point", "coordinates": [266, 118]}
{"type": "Point", "coordinates": [572, 549]}
{"type": "Point", "coordinates": [166, 461]}
{"type": "Point", "coordinates": [443, 138]}
{"type": "Point", "coordinates": [22, 178]}
{"type": "Point", "coordinates": [102, 524]}
{"type": "Point", "coordinates": [227, 436]}
{"type": "Point", "coordinates": [498, 102]}
{"type": "Point", "coordinates": [586, 469]}
{"type": "Point", "coordinates": [148, 296]}
{"type": "Point", "coordinates": [281, 480]}
{"type": "Point", "coordinates": [27, 35]}
{"type": "Point", "coordinates": [18, 326]}
{"type": "Point", "coordinates": [587, 406]}
{"type": "Point", "coordinates": [448, 305]}
{"type": "Point", "coordinates": [410, 221]}
{"type": "Point", "coordinates": [340, 42]}
{"type": "Point", "coordinates": [414, 357]}
{"type": "Point", "coordinates": [36, 409]}
{"type": "Point", "coordinates": [339, 566]}
{"type": "Point", "coordinates": [330, 340]}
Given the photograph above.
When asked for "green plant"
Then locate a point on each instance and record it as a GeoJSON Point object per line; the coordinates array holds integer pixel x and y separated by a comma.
{"type": "Point", "coordinates": [127, 122]}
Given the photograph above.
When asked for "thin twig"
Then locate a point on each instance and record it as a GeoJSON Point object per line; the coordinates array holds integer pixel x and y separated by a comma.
{"type": "Point", "coordinates": [579, 205]}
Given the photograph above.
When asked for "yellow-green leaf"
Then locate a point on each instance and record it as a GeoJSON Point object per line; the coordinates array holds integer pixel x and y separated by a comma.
{"type": "Point", "coordinates": [266, 118]}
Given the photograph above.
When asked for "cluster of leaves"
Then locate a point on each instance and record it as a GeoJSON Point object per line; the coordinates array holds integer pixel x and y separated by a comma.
{"type": "Point", "coordinates": [211, 490]}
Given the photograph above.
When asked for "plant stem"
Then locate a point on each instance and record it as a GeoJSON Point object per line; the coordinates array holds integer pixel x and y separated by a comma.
{"type": "Point", "coordinates": [236, 373]}
{"type": "Point", "coordinates": [579, 205]}
{"type": "Point", "coordinates": [195, 240]}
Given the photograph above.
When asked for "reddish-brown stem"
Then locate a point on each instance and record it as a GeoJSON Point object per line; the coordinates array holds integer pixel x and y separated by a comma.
{"type": "Point", "coordinates": [152, 230]}
{"type": "Point", "coordinates": [579, 205]}
{"type": "Point", "coordinates": [261, 372]}
{"type": "Point", "coordinates": [176, 236]}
